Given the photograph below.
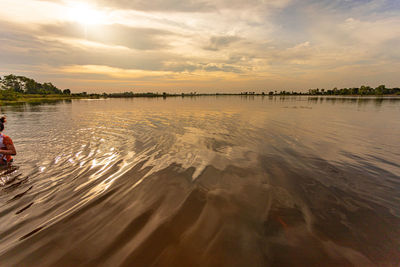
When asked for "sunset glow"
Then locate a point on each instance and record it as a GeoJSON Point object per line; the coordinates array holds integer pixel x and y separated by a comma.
{"type": "Point", "coordinates": [226, 46]}
{"type": "Point", "coordinates": [85, 14]}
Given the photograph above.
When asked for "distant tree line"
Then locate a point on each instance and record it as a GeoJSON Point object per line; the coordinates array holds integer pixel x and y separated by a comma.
{"type": "Point", "coordinates": [150, 94]}
{"type": "Point", "coordinates": [21, 84]}
{"type": "Point", "coordinates": [12, 87]}
{"type": "Point", "coordinates": [363, 90]}
{"type": "Point", "coordinates": [132, 94]}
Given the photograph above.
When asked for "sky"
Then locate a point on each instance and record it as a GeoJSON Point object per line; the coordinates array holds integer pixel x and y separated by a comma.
{"type": "Point", "coordinates": [201, 45]}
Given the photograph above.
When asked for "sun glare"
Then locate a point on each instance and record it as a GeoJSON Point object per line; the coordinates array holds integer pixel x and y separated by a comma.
{"type": "Point", "coordinates": [85, 14]}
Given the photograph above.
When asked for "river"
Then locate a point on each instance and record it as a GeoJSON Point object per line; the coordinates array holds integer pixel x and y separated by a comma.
{"type": "Point", "coordinates": [203, 181]}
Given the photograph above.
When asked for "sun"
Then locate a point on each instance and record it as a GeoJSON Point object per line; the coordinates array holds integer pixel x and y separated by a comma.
{"type": "Point", "coordinates": [85, 14]}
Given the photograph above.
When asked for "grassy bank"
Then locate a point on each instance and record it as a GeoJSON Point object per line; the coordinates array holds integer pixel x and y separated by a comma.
{"type": "Point", "coordinates": [32, 98]}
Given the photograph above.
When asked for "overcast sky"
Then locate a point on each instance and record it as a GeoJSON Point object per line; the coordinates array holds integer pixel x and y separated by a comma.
{"type": "Point", "coordinates": [201, 45]}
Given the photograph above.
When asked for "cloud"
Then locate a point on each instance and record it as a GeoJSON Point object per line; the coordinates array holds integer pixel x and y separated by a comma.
{"type": "Point", "coordinates": [194, 6]}
{"type": "Point", "coordinates": [301, 53]}
{"type": "Point", "coordinates": [280, 43]}
{"type": "Point", "coordinates": [114, 34]}
{"type": "Point", "coordinates": [239, 4]}
{"type": "Point", "coordinates": [218, 42]}
{"type": "Point", "coordinates": [181, 66]}
{"type": "Point", "coordinates": [159, 5]}
{"type": "Point", "coordinates": [223, 68]}
{"type": "Point", "coordinates": [24, 47]}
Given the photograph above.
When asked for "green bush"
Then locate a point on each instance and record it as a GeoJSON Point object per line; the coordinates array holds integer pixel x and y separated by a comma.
{"type": "Point", "coordinates": [8, 94]}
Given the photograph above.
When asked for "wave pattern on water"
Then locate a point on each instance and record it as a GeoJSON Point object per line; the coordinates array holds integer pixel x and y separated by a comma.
{"type": "Point", "coordinates": [202, 182]}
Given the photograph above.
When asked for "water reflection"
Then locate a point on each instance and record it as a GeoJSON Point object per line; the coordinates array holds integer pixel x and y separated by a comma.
{"type": "Point", "coordinates": [209, 181]}
{"type": "Point", "coordinates": [355, 100]}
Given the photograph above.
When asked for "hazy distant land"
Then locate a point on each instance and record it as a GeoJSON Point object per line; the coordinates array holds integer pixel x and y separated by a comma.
{"type": "Point", "coordinates": [16, 89]}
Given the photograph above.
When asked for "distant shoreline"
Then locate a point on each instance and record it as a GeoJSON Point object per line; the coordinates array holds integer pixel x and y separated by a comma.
{"type": "Point", "coordinates": [51, 98]}
{"type": "Point", "coordinates": [19, 89]}
{"type": "Point", "coordinates": [40, 98]}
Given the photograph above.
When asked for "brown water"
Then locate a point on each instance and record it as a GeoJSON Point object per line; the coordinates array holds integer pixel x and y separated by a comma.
{"type": "Point", "coordinates": [204, 181]}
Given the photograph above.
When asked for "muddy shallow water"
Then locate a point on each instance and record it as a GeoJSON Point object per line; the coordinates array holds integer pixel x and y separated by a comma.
{"type": "Point", "coordinates": [203, 181]}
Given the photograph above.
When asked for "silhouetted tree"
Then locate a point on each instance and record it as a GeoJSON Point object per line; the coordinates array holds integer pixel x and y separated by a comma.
{"type": "Point", "coordinates": [68, 92]}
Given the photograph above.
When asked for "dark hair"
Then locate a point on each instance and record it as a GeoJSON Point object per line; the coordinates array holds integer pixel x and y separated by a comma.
{"type": "Point", "coordinates": [2, 120]}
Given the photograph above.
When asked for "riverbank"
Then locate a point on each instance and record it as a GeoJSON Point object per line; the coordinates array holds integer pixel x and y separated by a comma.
{"type": "Point", "coordinates": [33, 98]}
{"type": "Point", "coordinates": [43, 98]}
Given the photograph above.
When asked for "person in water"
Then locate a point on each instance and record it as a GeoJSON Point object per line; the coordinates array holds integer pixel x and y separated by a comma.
{"type": "Point", "coordinates": [7, 149]}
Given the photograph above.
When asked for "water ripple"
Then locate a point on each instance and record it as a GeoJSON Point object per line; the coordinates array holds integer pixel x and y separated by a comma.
{"type": "Point", "coordinates": [202, 182]}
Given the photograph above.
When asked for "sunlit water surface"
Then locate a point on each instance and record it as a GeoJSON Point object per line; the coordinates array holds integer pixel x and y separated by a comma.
{"type": "Point", "coordinates": [203, 181]}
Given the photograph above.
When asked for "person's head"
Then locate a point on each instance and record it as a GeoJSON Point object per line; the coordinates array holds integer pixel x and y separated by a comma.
{"type": "Point", "coordinates": [2, 121]}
